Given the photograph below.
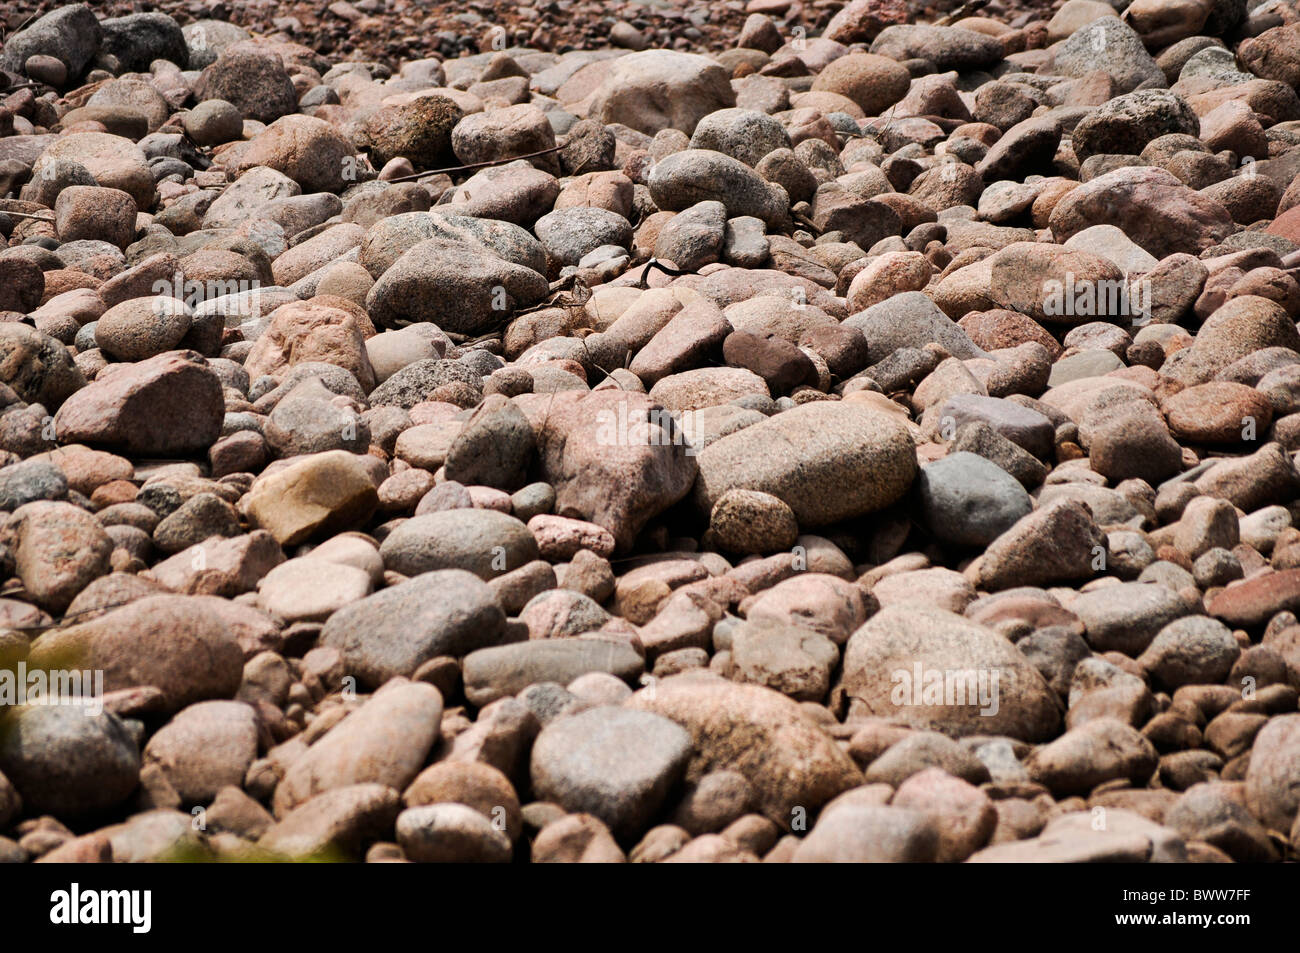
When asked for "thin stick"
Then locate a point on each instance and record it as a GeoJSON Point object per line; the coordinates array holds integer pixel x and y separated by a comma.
{"type": "Point", "coordinates": [38, 218]}
{"type": "Point", "coordinates": [473, 165]}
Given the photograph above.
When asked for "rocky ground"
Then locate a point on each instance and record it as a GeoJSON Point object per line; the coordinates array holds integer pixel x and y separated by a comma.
{"type": "Point", "coordinates": [839, 437]}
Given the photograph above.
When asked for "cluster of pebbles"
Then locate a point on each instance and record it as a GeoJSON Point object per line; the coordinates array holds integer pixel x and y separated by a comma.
{"type": "Point", "coordinates": [870, 440]}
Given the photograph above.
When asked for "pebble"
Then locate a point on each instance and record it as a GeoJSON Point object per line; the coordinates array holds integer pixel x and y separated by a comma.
{"type": "Point", "coordinates": [384, 496]}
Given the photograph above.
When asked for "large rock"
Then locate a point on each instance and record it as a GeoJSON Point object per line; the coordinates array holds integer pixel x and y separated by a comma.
{"type": "Point", "coordinates": [1111, 46]}
{"type": "Point", "coordinates": [68, 761]}
{"type": "Point", "coordinates": [38, 368]}
{"type": "Point", "coordinates": [827, 461]}
{"type": "Point", "coordinates": [136, 40]}
{"type": "Point", "coordinates": [394, 631]}
{"type": "Point", "coordinates": [484, 542]}
{"type": "Point", "coordinates": [254, 80]}
{"type": "Point", "coordinates": [691, 176]}
{"type": "Point", "coordinates": [58, 548]}
{"type": "Point", "coordinates": [385, 741]}
{"type": "Point", "coordinates": [911, 319]}
{"type": "Point", "coordinates": [1271, 790]}
{"type": "Point", "coordinates": [113, 162]}
{"type": "Point", "coordinates": [616, 459]}
{"type": "Point", "coordinates": [205, 748]}
{"type": "Point", "coordinates": [453, 284]}
{"type": "Point", "coordinates": [1125, 124]}
{"type": "Point", "coordinates": [1058, 542]}
{"type": "Point", "coordinates": [791, 764]}
{"type": "Point", "coordinates": [71, 34]}
{"type": "Point", "coordinates": [969, 501]}
{"type": "Point", "coordinates": [662, 89]}
{"type": "Point", "coordinates": [176, 644]}
{"type": "Point", "coordinates": [319, 494]}
{"type": "Point", "coordinates": [306, 149]}
{"type": "Point", "coordinates": [167, 406]}
{"type": "Point", "coordinates": [1151, 206]}
{"type": "Point", "coordinates": [614, 763]}
{"type": "Point", "coordinates": [310, 331]}
{"type": "Point", "coordinates": [493, 673]}
{"type": "Point", "coordinates": [947, 47]}
{"type": "Point", "coordinates": [419, 131]}
{"type": "Point", "coordinates": [938, 671]}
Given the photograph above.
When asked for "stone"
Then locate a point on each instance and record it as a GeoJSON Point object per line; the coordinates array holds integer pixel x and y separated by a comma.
{"type": "Point", "coordinates": [934, 670]}
{"type": "Point", "coordinates": [661, 89]}
{"type": "Point", "coordinates": [393, 632]}
{"type": "Point", "coordinates": [966, 500]}
{"type": "Point", "coordinates": [67, 761]}
{"type": "Point", "coordinates": [385, 741]}
{"type": "Point", "coordinates": [826, 461]}
{"type": "Point", "coordinates": [614, 763]}
{"type": "Point", "coordinates": [168, 405]}
{"type": "Point", "coordinates": [787, 759]}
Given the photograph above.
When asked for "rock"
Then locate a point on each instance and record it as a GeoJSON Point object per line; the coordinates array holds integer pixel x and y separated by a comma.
{"type": "Point", "coordinates": [744, 134]}
{"type": "Point", "coordinates": [177, 644]}
{"type": "Point", "coordinates": [1111, 46]}
{"type": "Point", "coordinates": [396, 630]}
{"type": "Point", "coordinates": [1150, 205]}
{"type": "Point", "coordinates": [58, 549]}
{"type": "Point", "coordinates": [483, 542]}
{"type": "Point", "coordinates": [335, 825]}
{"type": "Point", "coordinates": [686, 178]}
{"type": "Point", "coordinates": [800, 455]}
{"type": "Point", "coordinates": [1056, 543]}
{"type": "Point", "coordinates": [307, 331]}
{"type": "Point", "coordinates": [39, 369]}
{"type": "Point", "coordinates": [85, 212]}
{"type": "Point", "coordinates": [788, 658]}
{"type": "Point", "coordinates": [318, 494]}
{"type": "Point", "coordinates": [71, 34]}
{"type": "Point", "coordinates": [1218, 412]}
{"type": "Point", "coordinates": [969, 501]}
{"type": "Point", "coordinates": [749, 521]}
{"type": "Point", "coordinates": [419, 130]}
{"type": "Point", "coordinates": [142, 328]}
{"type": "Point", "coordinates": [253, 80]}
{"type": "Point", "coordinates": [385, 741]}
{"type": "Point", "coordinates": [661, 89]}
{"type": "Point", "coordinates": [570, 234]}
{"type": "Point", "coordinates": [451, 834]}
{"type": "Point", "coordinates": [168, 405]}
{"type": "Point", "coordinates": [788, 760]}
{"type": "Point", "coordinates": [1270, 789]}
{"type": "Point", "coordinates": [964, 814]}
{"type": "Point", "coordinates": [614, 459]}
{"type": "Point", "coordinates": [947, 47]}
{"type": "Point", "coordinates": [932, 669]}
{"type": "Point", "coordinates": [614, 763]}
{"type": "Point", "coordinates": [205, 748]}
{"type": "Point", "coordinates": [136, 40]}
{"type": "Point", "coordinates": [30, 480]}
{"type": "Point", "coordinates": [68, 761]}
{"type": "Point", "coordinates": [1126, 124]}
{"type": "Point", "coordinates": [493, 673]}
{"type": "Point", "coordinates": [454, 285]}
{"type": "Point", "coordinates": [869, 833]}
{"type": "Point", "coordinates": [1126, 617]}
{"type": "Point", "coordinates": [505, 134]}
{"type": "Point", "coordinates": [1192, 650]}
{"type": "Point", "coordinates": [910, 320]}
{"type": "Point", "coordinates": [1099, 750]}
{"type": "Point", "coordinates": [695, 237]}
{"type": "Point", "coordinates": [306, 149]}
{"type": "Point", "coordinates": [873, 82]}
